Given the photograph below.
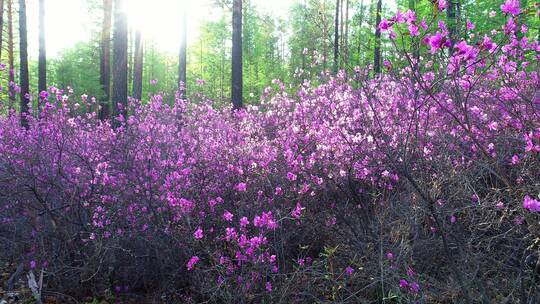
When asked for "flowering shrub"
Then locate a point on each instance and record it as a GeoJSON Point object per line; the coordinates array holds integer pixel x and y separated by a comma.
{"type": "Point", "coordinates": [422, 183]}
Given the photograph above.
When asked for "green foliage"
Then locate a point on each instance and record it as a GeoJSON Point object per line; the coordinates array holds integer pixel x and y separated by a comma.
{"type": "Point", "coordinates": [77, 68]}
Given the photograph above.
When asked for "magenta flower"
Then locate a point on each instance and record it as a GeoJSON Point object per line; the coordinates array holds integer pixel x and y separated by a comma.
{"type": "Point", "coordinates": [191, 263]}
{"type": "Point", "coordinates": [414, 287]}
{"type": "Point", "coordinates": [349, 270]}
{"type": "Point", "coordinates": [515, 160]}
{"type": "Point", "coordinates": [470, 25]}
{"type": "Point", "coordinates": [291, 176]}
{"type": "Point", "coordinates": [531, 204]}
{"type": "Point", "coordinates": [198, 234]}
{"type": "Point", "coordinates": [442, 5]}
{"type": "Point", "coordinates": [403, 283]}
{"type": "Point", "coordinates": [511, 7]}
{"type": "Point", "coordinates": [227, 216]}
{"type": "Point", "coordinates": [385, 25]}
{"type": "Point", "coordinates": [241, 187]}
{"type": "Point", "coordinates": [268, 286]}
{"type": "Point", "coordinates": [435, 42]}
{"type": "Point", "coordinates": [244, 222]}
{"type": "Point", "coordinates": [413, 30]}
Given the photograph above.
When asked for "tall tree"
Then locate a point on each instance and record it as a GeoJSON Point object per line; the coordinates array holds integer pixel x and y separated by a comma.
{"type": "Point", "coordinates": [105, 59]}
{"type": "Point", "coordinates": [346, 38]}
{"type": "Point", "coordinates": [237, 82]}
{"type": "Point", "coordinates": [42, 60]}
{"type": "Point", "coordinates": [182, 67]}
{"type": "Point", "coordinates": [11, 55]}
{"type": "Point", "coordinates": [1, 25]}
{"type": "Point", "coordinates": [138, 66]}
{"type": "Point", "coordinates": [23, 56]}
{"type": "Point", "coordinates": [336, 38]}
{"type": "Point", "coordinates": [120, 59]}
{"type": "Point", "coordinates": [377, 49]}
{"type": "Point", "coordinates": [452, 22]}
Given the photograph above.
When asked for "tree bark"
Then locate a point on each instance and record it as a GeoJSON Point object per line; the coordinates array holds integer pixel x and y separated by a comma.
{"type": "Point", "coordinates": [182, 60]}
{"type": "Point", "coordinates": [138, 66]}
{"type": "Point", "coordinates": [345, 45]}
{"type": "Point", "coordinates": [11, 56]}
{"type": "Point", "coordinates": [377, 49]}
{"type": "Point", "coordinates": [120, 58]}
{"type": "Point", "coordinates": [42, 60]}
{"type": "Point", "coordinates": [23, 56]}
{"type": "Point", "coordinates": [237, 82]}
{"type": "Point", "coordinates": [336, 38]}
{"type": "Point", "coordinates": [452, 22]}
{"type": "Point", "coordinates": [105, 60]}
{"type": "Point", "coordinates": [1, 25]}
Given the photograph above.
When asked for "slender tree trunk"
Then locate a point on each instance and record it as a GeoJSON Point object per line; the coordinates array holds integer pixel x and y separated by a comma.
{"type": "Point", "coordinates": [131, 54]}
{"type": "Point", "coordinates": [452, 23]}
{"type": "Point", "coordinates": [336, 38]}
{"type": "Point", "coordinates": [377, 50]}
{"type": "Point", "coordinates": [120, 59]}
{"type": "Point", "coordinates": [42, 60]}
{"type": "Point", "coordinates": [345, 45]}
{"type": "Point", "coordinates": [105, 66]}
{"type": "Point", "coordinates": [182, 60]}
{"type": "Point", "coordinates": [237, 83]}
{"type": "Point", "coordinates": [23, 55]}
{"type": "Point", "coordinates": [138, 66]}
{"type": "Point", "coordinates": [325, 36]}
{"type": "Point", "coordinates": [1, 26]}
{"type": "Point", "coordinates": [11, 56]}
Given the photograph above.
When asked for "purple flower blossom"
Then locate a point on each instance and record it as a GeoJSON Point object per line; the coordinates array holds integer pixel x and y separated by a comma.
{"type": "Point", "coordinates": [511, 7]}
{"type": "Point", "coordinates": [198, 234]}
{"type": "Point", "coordinates": [191, 263]}
{"type": "Point", "coordinates": [531, 204]}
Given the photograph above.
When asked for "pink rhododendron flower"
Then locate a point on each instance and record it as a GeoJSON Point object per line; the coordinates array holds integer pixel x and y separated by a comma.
{"type": "Point", "coordinates": [198, 234]}
{"type": "Point", "coordinates": [241, 187]}
{"type": "Point", "coordinates": [228, 216]}
{"type": "Point", "coordinates": [191, 263]}
{"type": "Point", "coordinates": [511, 7]}
{"type": "Point", "coordinates": [531, 204]}
{"type": "Point", "coordinates": [442, 5]}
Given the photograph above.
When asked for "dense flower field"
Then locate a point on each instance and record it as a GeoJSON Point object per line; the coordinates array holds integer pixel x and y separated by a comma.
{"type": "Point", "coordinates": [419, 185]}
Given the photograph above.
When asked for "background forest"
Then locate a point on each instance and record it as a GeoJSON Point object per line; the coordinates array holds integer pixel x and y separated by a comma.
{"type": "Point", "coordinates": [273, 47]}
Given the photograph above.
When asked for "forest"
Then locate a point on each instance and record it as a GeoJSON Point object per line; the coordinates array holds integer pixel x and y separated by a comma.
{"type": "Point", "coordinates": [286, 151]}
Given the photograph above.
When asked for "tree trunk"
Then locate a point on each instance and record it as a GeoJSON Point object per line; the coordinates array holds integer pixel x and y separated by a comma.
{"type": "Point", "coordinates": [182, 60]}
{"type": "Point", "coordinates": [1, 25]}
{"type": "Point", "coordinates": [237, 85]}
{"type": "Point", "coordinates": [42, 64]}
{"type": "Point", "coordinates": [105, 60]}
{"type": "Point", "coordinates": [138, 66]}
{"type": "Point", "coordinates": [377, 50]}
{"type": "Point", "coordinates": [345, 45]}
{"type": "Point", "coordinates": [23, 55]}
{"type": "Point", "coordinates": [336, 39]}
{"type": "Point", "coordinates": [452, 23]}
{"type": "Point", "coordinates": [120, 58]}
{"type": "Point", "coordinates": [11, 56]}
